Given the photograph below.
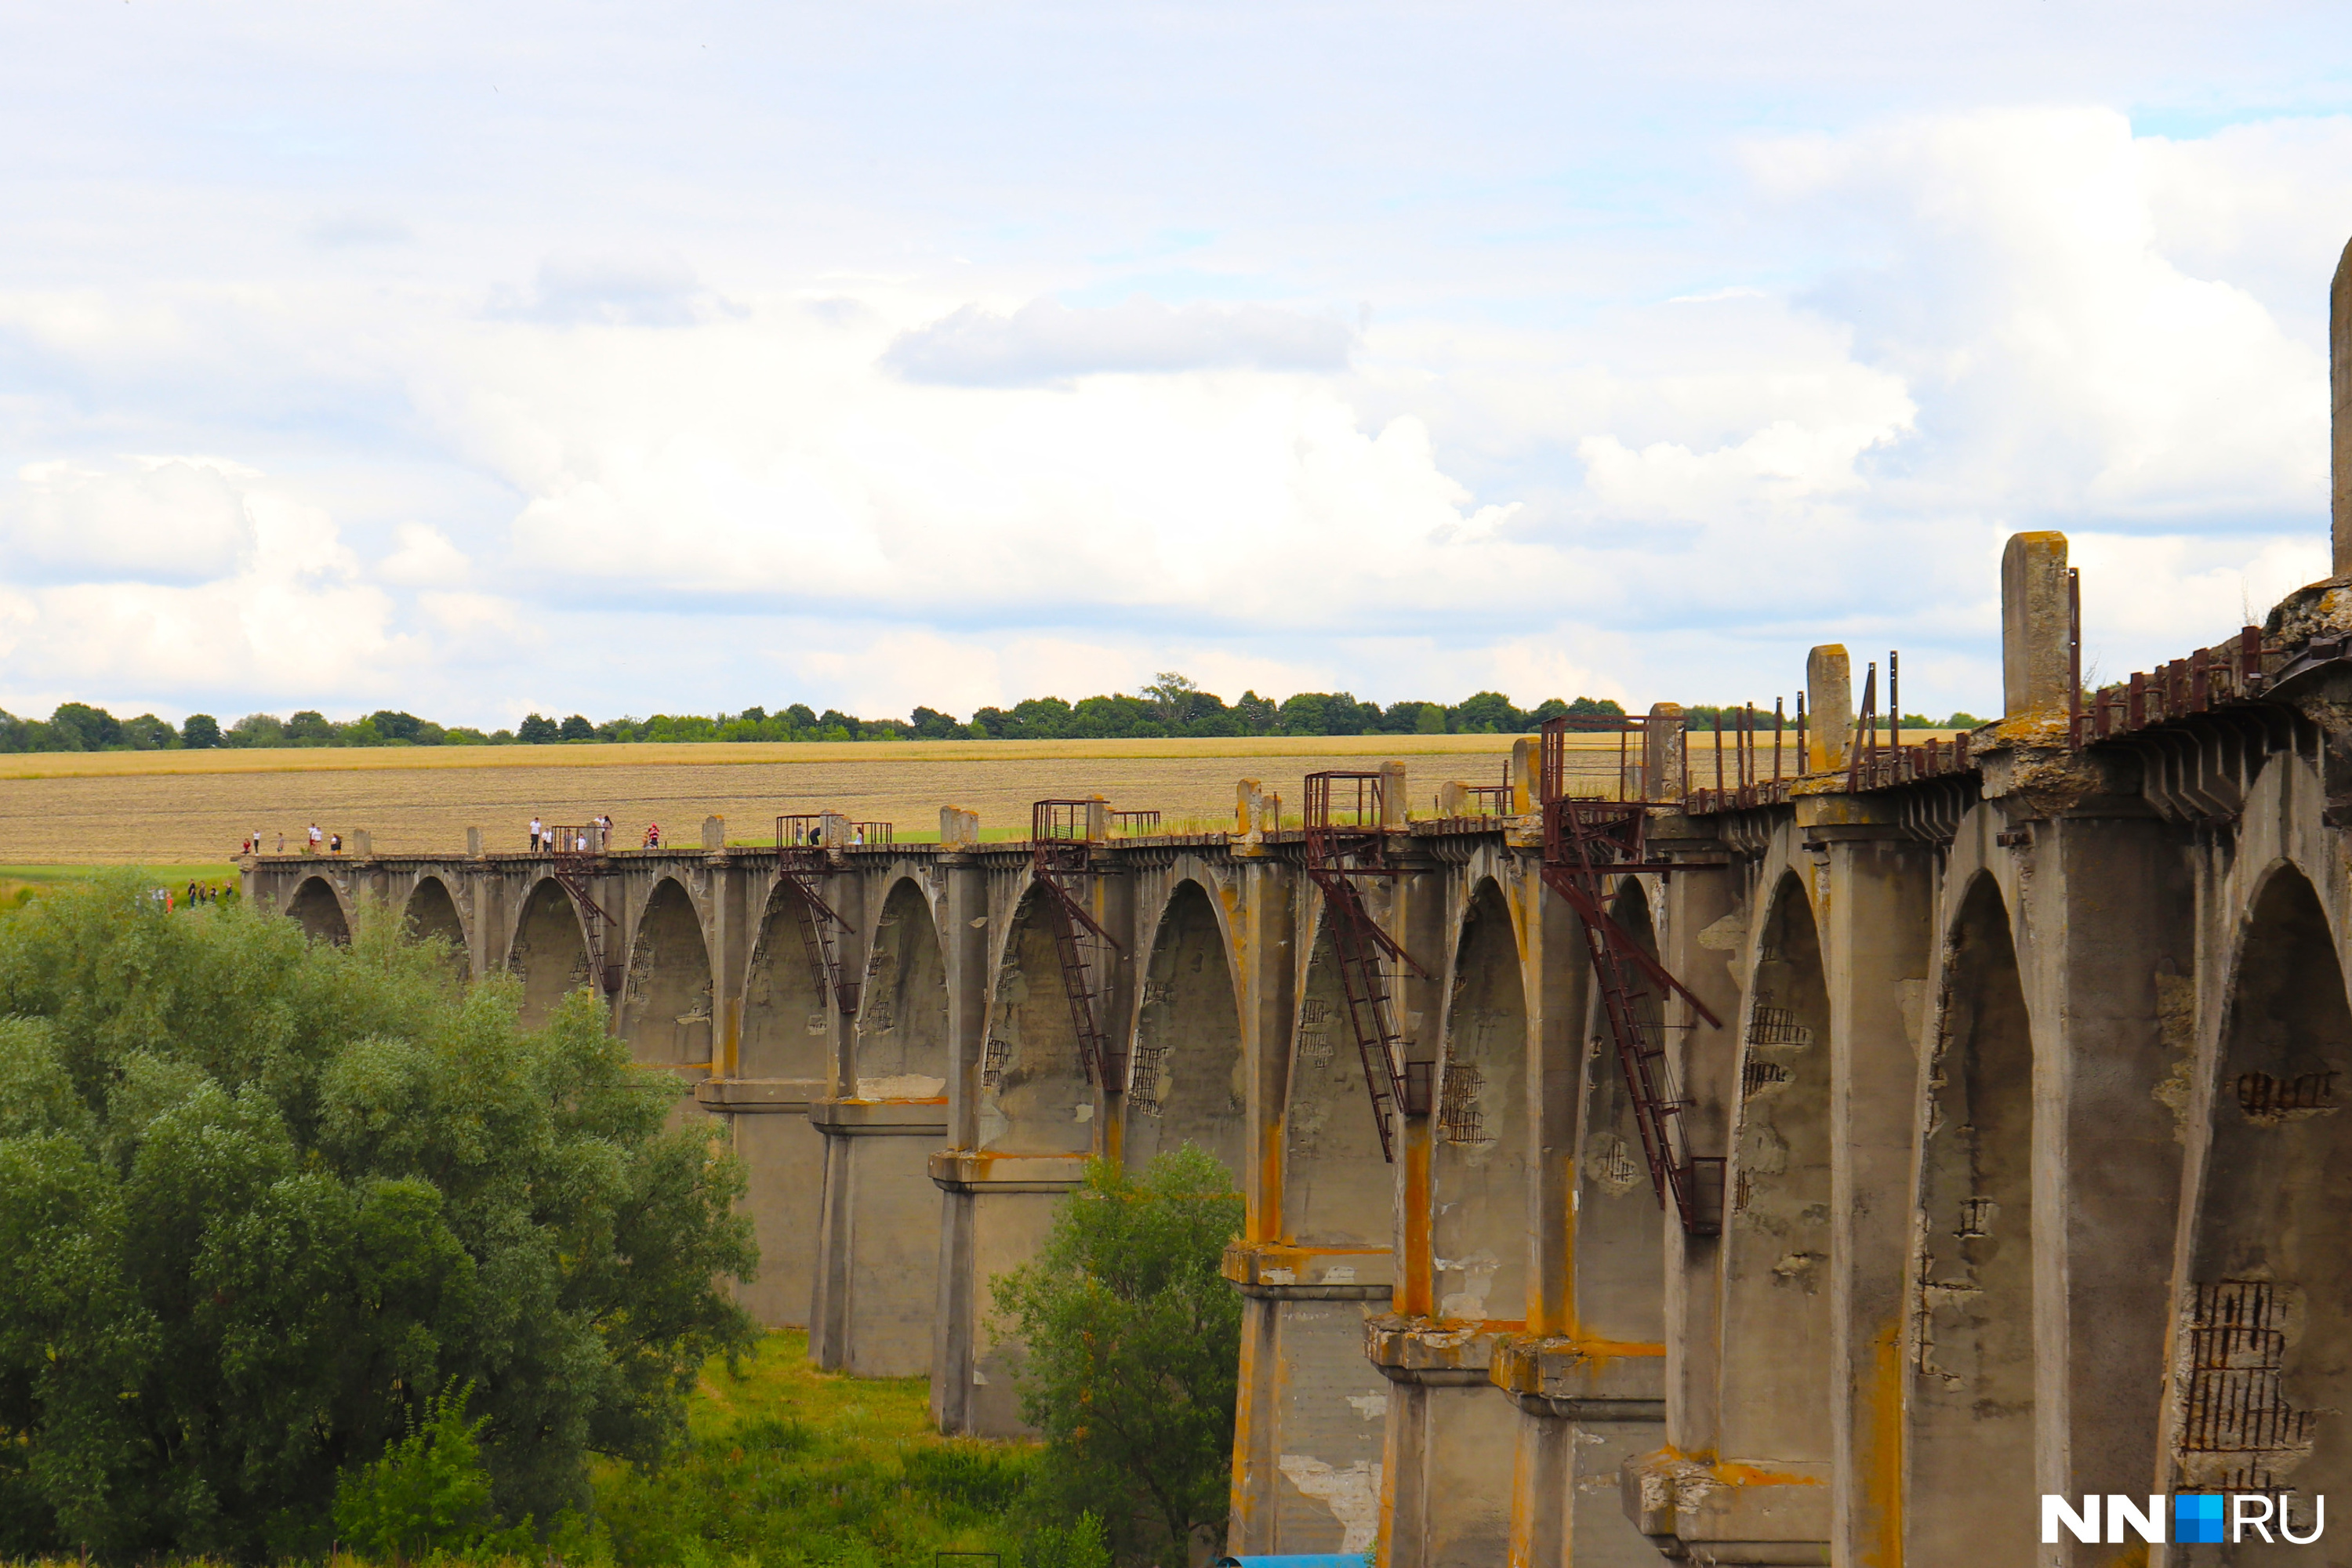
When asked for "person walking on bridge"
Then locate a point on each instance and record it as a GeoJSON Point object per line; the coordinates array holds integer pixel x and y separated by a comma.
{"type": "Point", "coordinates": [315, 836]}
{"type": "Point", "coordinates": [536, 835]}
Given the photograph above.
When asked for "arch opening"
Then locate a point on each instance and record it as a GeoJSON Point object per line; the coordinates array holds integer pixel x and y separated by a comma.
{"type": "Point", "coordinates": [319, 912]}
{"type": "Point", "coordinates": [900, 1045]}
{"type": "Point", "coordinates": [549, 954]}
{"type": "Point", "coordinates": [665, 1012]}
{"type": "Point", "coordinates": [1034, 1094]}
{"type": "Point", "coordinates": [432, 916]}
{"type": "Point", "coordinates": [2263, 1380]}
{"type": "Point", "coordinates": [787, 1030]}
{"type": "Point", "coordinates": [1187, 1083]}
{"type": "Point", "coordinates": [1478, 1181]}
{"type": "Point", "coordinates": [1777, 1235]}
{"type": "Point", "coordinates": [1972, 1343]}
{"type": "Point", "coordinates": [1337, 1189]}
{"type": "Point", "coordinates": [1620, 1273]}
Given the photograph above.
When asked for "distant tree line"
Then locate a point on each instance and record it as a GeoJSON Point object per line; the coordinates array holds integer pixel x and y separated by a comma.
{"type": "Point", "coordinates": [1170, 706]}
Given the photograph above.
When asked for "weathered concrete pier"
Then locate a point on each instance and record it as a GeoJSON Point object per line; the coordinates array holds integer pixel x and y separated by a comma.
{"type": "Point", "coordinates": [1814, 1169]}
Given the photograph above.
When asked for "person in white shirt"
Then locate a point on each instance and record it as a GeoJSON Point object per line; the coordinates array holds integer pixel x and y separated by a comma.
{"type": "Point", "coordinates": [536, 835]}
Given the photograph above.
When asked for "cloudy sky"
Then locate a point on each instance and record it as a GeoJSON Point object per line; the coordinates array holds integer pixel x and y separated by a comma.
{"type": "Point", "coordinates": [471, 359]}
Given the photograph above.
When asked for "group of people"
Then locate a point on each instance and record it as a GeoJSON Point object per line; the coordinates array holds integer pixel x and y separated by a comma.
{"type": "Point", "coordinates": [315, 842]}
{"type": "Point", "coordinates": [197, 893]}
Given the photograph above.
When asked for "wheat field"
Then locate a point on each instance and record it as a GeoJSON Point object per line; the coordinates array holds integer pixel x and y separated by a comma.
{"type": "Point", "coordinates": [172, 807]}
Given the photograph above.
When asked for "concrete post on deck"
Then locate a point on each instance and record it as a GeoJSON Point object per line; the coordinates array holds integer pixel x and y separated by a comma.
{"type": "Point", "coordinates": [2339, 375]}
{"type": "Point", "coordinates": [1829, 699]}
{"type": "Point", "coordinates": [2036, 625]}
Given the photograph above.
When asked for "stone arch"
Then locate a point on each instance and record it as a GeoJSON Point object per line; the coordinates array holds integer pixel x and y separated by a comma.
{"type": "Point", "coordinates": [550, 952]}
{"type": "Point", "coordinates": [900, 1045]}
{"type": "Point", "coordinates": [787, 1030]}
{"type": "Point", "coordinates": [432, 915]}
{"type": "Point", "coordinates": [665, 1012]}
{"type": "Point", "coordinates": [2262, 1393]}
{"type": "Point", "coordinates": [1776, 1288]}
{"type": "Point", "coordinates": [1034, 1094]}
{"type": "Point", "coordinates": [1971, 1479]}
{"type": "Point", "coordinates": [1478, 1175]}
{"type": "Point", "coordinates": [1620, 1235]}
{"type": "Point", "coordinates": [1187, 1082]}
{"type": "Point", "coordinates": [317, 909]}
{"type": "Point", "coordinates": [1337, 1189]}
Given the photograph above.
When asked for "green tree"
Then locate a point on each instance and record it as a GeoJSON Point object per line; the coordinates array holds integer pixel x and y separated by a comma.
{"type": "Point", "coordinates": [259, 1197]}
{"type": "Point", "coordinates": [394, 725]}
{"type": "Point", "coordinates": [255, 730]}
{"type": "Point", "coordinates": [577, 728]}
{"type": "Point", "coordinates": [79, 727]}
{"type": "Point", "coordinates": [309, 728]}
{"type": "Point", "coordinates": [1133, 1345]}
{"type": "Point", "coordinates": [430, 1493]}
{"type": "Point", "coordinates": [538, 730]}
{"type": "Point", "coordinates": [200, 731]}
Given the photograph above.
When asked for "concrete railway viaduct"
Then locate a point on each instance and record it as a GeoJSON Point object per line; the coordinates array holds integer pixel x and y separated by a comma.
{"type": "Point", "coordinates": [1805, 1149]}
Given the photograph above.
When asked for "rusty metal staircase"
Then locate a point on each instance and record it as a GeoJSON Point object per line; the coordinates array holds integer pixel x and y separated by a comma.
{"type": "Point", "coordinates": [1586, 842]}
{"type": "Point", "coordinates": [1060, 848]}
{"type": "Point", "coordinates": [578, 851]}
{"type": "Point", "coordinates": [1345, 841]}
{"type": "Point", "coordinates": [802, 852]}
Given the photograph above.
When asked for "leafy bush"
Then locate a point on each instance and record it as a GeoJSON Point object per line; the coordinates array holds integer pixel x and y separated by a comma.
{"type": "Point", "coordinates": [430, 1493]}
{"type": "Point", "coordinates": [1133, 1346]}
{"type": "Point", "coordinates": [1078, 1545]}
{"type": "Point", "coordinates": [260, 1197]}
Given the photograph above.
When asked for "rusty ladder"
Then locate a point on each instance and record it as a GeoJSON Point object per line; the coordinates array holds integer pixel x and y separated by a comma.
{"type": "Point", "coordinates": [1586, 841]}
{"type": "Point", "coordinates": [1060, 850]}
{"type": "Point", "coordinates": [1361, 949]}
{"type": "Point", "coordinates": [801, 857]}
{"type": "Point", "coordinates": [577, 849]}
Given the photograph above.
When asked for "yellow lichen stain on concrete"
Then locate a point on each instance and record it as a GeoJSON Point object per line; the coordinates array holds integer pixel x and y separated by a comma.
{"type": "Point", "coordinates": [1882, 1466]}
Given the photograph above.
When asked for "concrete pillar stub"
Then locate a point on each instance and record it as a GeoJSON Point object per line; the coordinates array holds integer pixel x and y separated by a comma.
{"type": "Point", "coordinates": [714, 833]}
{"type": "Point", "coordinates": [1392, 796]}
{"type": "Point", "coordinates": [1664, 763]}
{"type": "Point", "coordinates": [1098, 819]}
{"type": "Point", "coordinates": [473, 844]}
{"type": "Point", "coordinates": [2339, 380]}
{"type": "Point", "coordinates": [2035, 624]}
{"type": "Point", "coordinates": [1527, 757]}
{"type": "Point", "coordinates": [1253, 811]}
{"type": "Point", "coordinates": [958, 828]}
{"type": "Point", "coordinates": [1450, 797]}
{"type": "Point", "coordinates": [362, 843]}
{"type": "Point", "coordinates": [1829, 703]}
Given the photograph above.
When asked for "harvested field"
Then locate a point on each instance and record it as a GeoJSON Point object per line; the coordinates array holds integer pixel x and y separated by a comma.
{"type": "Point", "coordinates": [151, 807]}
{"type": "Point", "coordinates": [148, 806]}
